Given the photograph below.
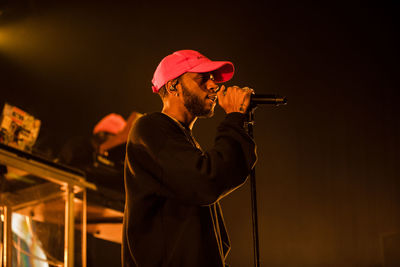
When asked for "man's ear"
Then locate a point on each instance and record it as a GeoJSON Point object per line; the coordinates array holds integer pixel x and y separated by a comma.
{"type": "Point", "coordinates": [171, 86]}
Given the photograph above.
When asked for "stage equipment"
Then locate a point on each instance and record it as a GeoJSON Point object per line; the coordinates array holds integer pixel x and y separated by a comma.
{"type": "Point", "coordinates": [42, 205]}
{"type": "Point", "coordinates": [255, 101]}
{"type": "Point", "coordinates": [18, 129]}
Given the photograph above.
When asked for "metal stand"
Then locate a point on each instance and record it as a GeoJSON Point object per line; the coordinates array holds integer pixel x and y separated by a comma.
{"type": "Point", "coordinates": [58, 182]}
{"type": "Point", "coordinates": [7, 237]}
{"type": "Point", "coordinates": [256, 247]}
{"type": "Point", "coordinates": [258, 100]}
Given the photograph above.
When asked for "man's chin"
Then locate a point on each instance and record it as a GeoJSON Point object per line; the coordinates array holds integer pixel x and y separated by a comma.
{"type": "Point", "coordinates": [208, 114]}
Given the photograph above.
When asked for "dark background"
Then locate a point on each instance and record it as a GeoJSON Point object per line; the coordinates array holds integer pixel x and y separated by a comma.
{"type": "Point", "coordinates": [328, 169]}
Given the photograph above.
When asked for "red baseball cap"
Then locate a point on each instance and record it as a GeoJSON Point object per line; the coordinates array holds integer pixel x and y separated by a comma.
{"type": "Point", "coordinates": [112, 123]}
{"type": "Point", "coordinates": [180, 62]}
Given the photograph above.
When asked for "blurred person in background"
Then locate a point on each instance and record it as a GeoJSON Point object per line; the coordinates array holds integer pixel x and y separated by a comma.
{"type": "Point", "coordinates": [101, 156]}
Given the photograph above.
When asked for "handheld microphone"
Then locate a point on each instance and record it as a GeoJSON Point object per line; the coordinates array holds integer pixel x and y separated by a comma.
{"type": "Point", "coordinates": [262, 99]}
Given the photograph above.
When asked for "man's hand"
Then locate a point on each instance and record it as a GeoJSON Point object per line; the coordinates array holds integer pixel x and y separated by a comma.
{"type": "Point", "coordinates": [234, 98]}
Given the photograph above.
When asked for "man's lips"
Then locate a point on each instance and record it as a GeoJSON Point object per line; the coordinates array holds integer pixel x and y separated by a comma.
{"type": "Point", "coordinates": [213, 98]}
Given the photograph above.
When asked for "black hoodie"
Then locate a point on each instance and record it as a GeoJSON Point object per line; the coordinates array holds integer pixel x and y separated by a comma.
{"type": "Point", "coordinates": [172, 214]}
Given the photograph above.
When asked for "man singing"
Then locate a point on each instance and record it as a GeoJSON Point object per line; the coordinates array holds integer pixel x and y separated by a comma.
{"type": "Point", "coordinates": [173, 187]}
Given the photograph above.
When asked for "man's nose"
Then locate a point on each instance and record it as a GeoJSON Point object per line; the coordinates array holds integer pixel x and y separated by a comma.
{"type": "Point", "coordinates": [212, 86]}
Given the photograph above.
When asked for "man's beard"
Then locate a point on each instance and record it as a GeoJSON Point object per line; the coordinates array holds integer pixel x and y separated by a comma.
{"type": "Point", "coordinates": [196, 105]}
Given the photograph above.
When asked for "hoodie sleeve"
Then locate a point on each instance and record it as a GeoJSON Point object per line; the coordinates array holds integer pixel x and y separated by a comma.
{"type": "Point", "coordinates": [164, 162]}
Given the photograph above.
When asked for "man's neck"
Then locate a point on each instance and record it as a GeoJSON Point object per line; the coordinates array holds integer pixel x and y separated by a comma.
{"type": "Point", "coordinates": [185, 118]}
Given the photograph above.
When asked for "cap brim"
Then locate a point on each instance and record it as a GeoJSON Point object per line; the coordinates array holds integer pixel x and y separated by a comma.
{"type": "Point", "coordinates": [222, 70]}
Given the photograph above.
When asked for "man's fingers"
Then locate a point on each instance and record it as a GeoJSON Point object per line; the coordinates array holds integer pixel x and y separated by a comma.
{"type": "Point", "coordinates": [248, 89]}
{"type": "Point", "coordinates": [234, 98]}
{"type": "Point", "coordinates": [221, 92]}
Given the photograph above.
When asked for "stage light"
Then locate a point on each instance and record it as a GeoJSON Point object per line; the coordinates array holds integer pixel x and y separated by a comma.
{"type": "Point", "coordinates": [5, 38]}
{"type": "Point", "coordinates": [26, 246]}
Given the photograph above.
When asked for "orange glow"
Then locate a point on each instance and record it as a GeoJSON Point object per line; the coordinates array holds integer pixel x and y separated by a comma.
{"type": "Point", "coordinates": [2, 37]}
